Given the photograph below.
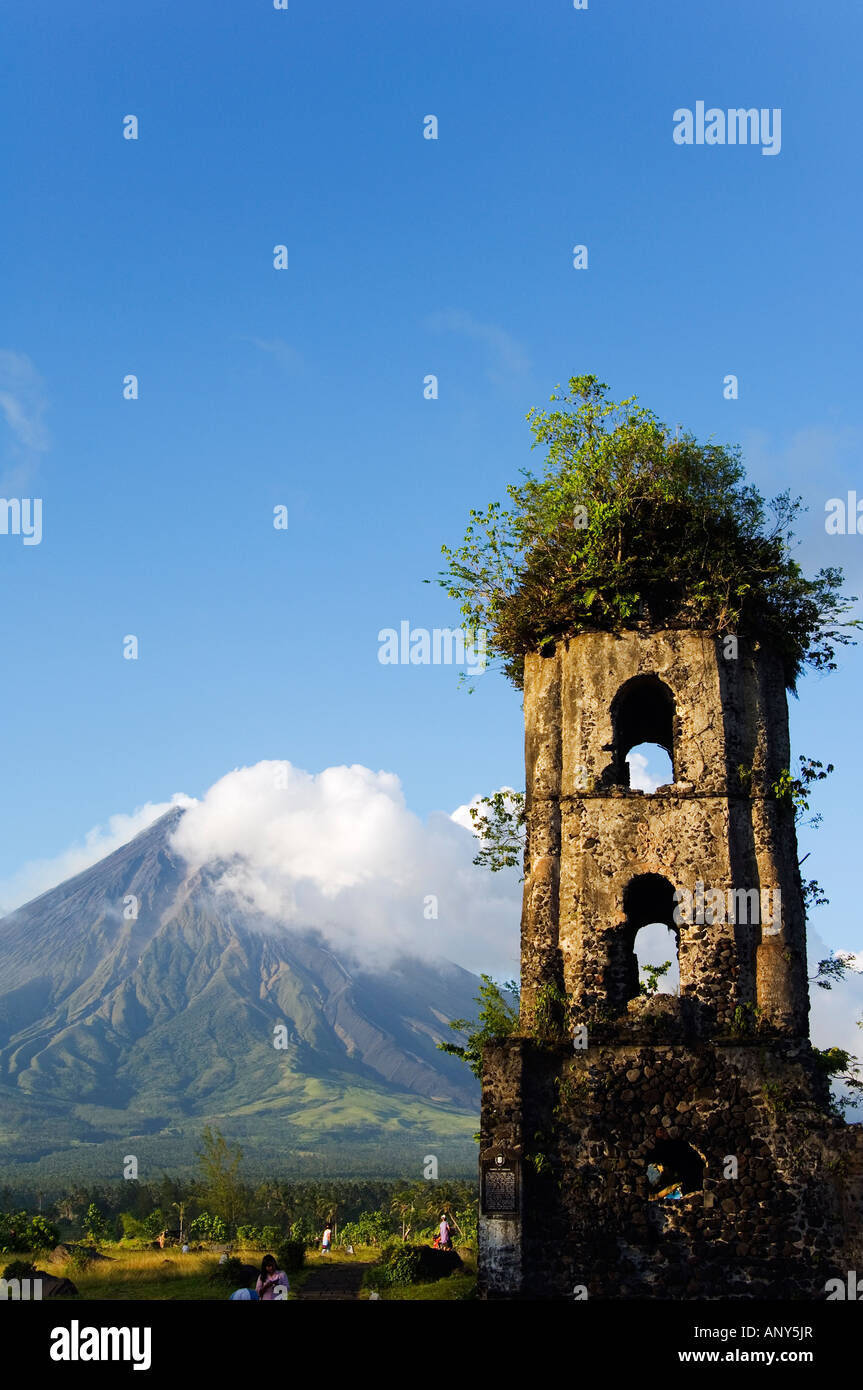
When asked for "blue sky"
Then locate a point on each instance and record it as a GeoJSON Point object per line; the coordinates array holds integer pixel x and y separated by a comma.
{"type": "Point", "coordinates": [305, 387]}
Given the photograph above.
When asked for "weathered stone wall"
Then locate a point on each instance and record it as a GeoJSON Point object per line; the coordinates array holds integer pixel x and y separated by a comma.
{"type": "Point", "coordinates": [724, 1070]}
{"type": "Point", "coordinates": [588, 835]}
{"type": "Point", "coordinates": [580, 1127]}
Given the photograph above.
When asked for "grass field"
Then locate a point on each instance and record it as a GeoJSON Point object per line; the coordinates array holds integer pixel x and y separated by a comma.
{"type": "Point", "coordinates": [143, 1275]}
{"type": "Point", "coordinates": [456, 1287]}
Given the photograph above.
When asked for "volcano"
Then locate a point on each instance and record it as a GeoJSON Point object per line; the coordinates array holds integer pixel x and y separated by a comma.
{"type": "Point", "coordinates": [138, 1004]}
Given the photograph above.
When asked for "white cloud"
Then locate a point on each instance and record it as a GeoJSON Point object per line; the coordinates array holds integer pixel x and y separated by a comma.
{"type": "Point", "coordinates": [508, 357]}
{"type": "Point", "coordinates": [23, 404]}
{"type": "Point", "coordinates": [287, 357]}
{"type": "Point", "coordinates": [341, 852]}
{"type": "Point", "coordinates": [853, 959]}
{"type": "Point", "coordinates": [38, 875]}
{"type": "Point", "coordinates": [640, 776]}
{"type": "Point", "coordinates": [338, 851]}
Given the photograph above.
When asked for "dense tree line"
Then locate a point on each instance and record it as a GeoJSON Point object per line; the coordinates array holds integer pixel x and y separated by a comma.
{"type": "Point", "coordinates": [213, 1210]}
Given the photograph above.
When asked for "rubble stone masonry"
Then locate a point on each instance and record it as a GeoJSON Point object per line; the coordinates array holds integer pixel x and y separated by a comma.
{"type": "Point", "coordinates": [679, 1146]}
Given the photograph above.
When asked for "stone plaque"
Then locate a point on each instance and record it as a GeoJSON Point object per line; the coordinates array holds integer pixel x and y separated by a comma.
{"type": "Point", "coordinates": [499, 1193]}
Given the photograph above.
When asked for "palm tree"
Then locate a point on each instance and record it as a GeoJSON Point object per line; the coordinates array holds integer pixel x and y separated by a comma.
{"type": "Point", "coordinates": [180, 1207]}
{"type": "Point", "coordinates": [403, 1205]}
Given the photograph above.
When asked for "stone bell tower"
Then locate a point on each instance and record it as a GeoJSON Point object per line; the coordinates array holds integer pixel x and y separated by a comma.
{"type": "Point", "coordinates": [666, 1145]}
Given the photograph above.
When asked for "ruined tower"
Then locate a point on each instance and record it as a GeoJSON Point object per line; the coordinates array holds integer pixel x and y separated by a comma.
{"type": "Point", "coordinates": [667, 1145]}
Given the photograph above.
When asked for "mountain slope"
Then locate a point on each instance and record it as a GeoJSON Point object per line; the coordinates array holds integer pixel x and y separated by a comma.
{"type": "Point", "coordinates": [115, 1027]}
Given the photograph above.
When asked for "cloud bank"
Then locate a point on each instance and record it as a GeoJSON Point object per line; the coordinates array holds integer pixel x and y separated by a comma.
{"type": "Point", "coordinates": [340, 851]}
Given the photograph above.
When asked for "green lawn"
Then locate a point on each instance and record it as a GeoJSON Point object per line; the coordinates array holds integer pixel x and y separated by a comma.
{"type": "Point", "coordinates": [142, 1275]}
{"type": "Point", "coordinates": [456, 1287]}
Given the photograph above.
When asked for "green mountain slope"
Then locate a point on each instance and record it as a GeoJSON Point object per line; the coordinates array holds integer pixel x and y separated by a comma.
{"type": "Point", "coordinates": [125, 1036]}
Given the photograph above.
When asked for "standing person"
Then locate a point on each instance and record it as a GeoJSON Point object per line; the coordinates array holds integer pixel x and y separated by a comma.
{"type": "Point", "coordinates": [269, 1279]}
{"type": "Point", "coordinates": [327, 1240]}
{"type": "Point", "coordinates": [445, 1233]}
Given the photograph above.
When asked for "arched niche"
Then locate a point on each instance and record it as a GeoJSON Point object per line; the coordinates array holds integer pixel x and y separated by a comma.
{"type": "Point", "coordinates": [675, 1170]}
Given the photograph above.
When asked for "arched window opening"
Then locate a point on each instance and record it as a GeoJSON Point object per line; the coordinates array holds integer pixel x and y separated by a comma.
{"type": "Point", "coordinates": [649, 767]}
{"type": "Point", "coordinates": [642, 712]}
{"type": "Point", "coordinates": [674, 1170]}
{"type": "Point", "coordinates": [648, 902]}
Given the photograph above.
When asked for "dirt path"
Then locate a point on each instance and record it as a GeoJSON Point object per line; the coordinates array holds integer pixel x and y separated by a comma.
{"type": "Point", "coordinates": [333, 1281]}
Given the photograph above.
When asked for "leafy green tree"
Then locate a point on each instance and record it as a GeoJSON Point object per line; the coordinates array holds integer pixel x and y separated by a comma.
{"type": "Point", "coordinates": [14, 1232]}
{"type": "Point", "coordinates": [132, 1228]}
{"type": "Point", "coordinates": [155, 1223]}
{"type": "Point", "coordinates": [95, 1225]}
{"type": "Point", "coordinates": [249, 1237]}
{"type": "Point", "coordinates": [305, 1231]}
{"type": "Point", "coordinates": [499, 823]}
{"type": "Point", "coordinates": [841, 1066]}
{"type": "Point", "coordinates": [465, 1220]}
{"type": "Point", "coordinates": [370, 1228]}
{"type": "Point", "coordinates": [290, 1255]}
{"type": "Point", "coordinates": [219, 1162]}
{"type": "Point", "coordinates": [208, 1226]}
{"type": "Point", "coordinates": [631, 523]}
{"type": "Point", "coordinates": [42, 1234]}
{"type": "Point", "coordinates": [498, 1018]}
